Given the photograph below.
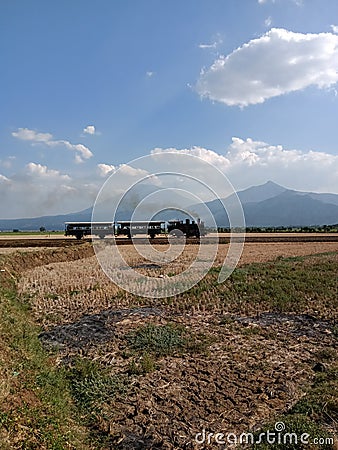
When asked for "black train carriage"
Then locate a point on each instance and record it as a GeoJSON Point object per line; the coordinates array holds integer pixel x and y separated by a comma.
{"type": "Point", "coordinates": [132, 228]}
{"type": "Point", "coordinates": [80, 229]}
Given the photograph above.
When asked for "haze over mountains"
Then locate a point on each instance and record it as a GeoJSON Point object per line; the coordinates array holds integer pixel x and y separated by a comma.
{"type": "Point", "coordinates": [266, 205]}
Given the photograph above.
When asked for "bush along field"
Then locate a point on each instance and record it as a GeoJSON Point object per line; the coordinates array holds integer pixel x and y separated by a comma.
{"type": "Point", "coordinates": [256, 352]}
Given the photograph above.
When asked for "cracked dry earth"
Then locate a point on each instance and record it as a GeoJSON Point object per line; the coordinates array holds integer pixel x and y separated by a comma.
{"type": "Point", "coordinates": [255, 366]}
{"type": "Point", "coordinates": [254, 370]}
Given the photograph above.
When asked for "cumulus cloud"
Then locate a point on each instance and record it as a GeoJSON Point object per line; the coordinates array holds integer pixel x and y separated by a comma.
{"type": "Point", "coordinates": [105, 169]}
{"type": "Point", "coordinates": [249, 162]}
{"type": "Point", "coordinates": [25, 134]}
{"type": "Point", "coordinates": [123, 169]}
{"type": "Point", "coordinates": [90, 129]}
{"type": "Point", "coordinates": [38, 190]}
{"type": "Point", "coordinates": [277, 63]}
{"type": "Point", "coordinates": [209, 156]}
{"type": "Point", "coordinates": [30, 135]}
{"type": "Point", "coordinates": [43, 171]}
{"type": "Point", "coordinates": [334, 28]}
{"type": "Point", "coordinates": [4, 179]}
{"type": "Point", "coordinates": [259, 161]}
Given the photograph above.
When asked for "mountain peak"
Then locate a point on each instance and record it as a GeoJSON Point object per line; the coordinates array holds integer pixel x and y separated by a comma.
{"type": "Point", "coordinates": [272, 184]}
{"type": "Point", "coordinates": [261, 192]}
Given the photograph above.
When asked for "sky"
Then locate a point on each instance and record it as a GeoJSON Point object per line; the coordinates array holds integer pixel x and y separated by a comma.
{"type": "Point", "coordinates": [86, 87]}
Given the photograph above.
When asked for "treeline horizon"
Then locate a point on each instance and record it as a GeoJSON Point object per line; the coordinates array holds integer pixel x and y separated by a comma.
{"type": "Point", "coordinates": [283, 229]}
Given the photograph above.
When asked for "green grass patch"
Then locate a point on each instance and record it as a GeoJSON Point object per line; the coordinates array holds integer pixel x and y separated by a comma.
{"type": "Point", "coordinates": [297, 428]}
{"type": "Point", "coordinates": [315, 414]}
{"type": "Point", "coordinates": [321, 400]}
{"type": "Point", "coordinates": [285, 285]}
{"type": "Point", "coordinates": [37, 409]}
{"type": "Point", "coordinates": [157, 339]}
{"type": "Point", "coordinates": [92, 385]}
{"type": "Point", "coordinates": [164, 340]}
{"type": "Point", "coordinates": [142, 364]}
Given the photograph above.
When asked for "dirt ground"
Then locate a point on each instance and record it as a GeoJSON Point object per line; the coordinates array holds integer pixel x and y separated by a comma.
{"type": "Point", "coordinates": [270, 251]}
{"type": "Point", "coordinates": [257, 364]}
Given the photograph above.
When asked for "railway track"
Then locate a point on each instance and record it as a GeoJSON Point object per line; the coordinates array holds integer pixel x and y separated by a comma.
{"type": "Point", "coordinates": [68, 242]}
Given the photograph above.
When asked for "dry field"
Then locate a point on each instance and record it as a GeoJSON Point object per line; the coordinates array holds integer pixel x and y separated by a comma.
{"type": "Point", "coordinates": [236, 355]}
{"type": "Point", "coordinates": [65, 291]}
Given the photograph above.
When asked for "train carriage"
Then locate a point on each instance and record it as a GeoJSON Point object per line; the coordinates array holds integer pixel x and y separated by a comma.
{"type": "Point", "coordinates": [132, 228]}
{"type": "Point", "coordinates": [81, 229]}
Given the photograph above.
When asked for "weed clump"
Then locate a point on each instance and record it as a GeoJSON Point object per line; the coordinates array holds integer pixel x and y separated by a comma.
{"type": "Point", "coordinates": [165, 340]}
{"type": "Point", "coordinates": [159, 340]}
{"type": "Point", "coordinates": [92, 386]}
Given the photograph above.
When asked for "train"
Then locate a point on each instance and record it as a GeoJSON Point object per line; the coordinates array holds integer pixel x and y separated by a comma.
{"type": "Point", "coordinates": [152, 228]}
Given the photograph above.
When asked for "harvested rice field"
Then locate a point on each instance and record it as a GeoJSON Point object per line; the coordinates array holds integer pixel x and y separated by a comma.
{"type": "Point", "coordinates": [87, 365]}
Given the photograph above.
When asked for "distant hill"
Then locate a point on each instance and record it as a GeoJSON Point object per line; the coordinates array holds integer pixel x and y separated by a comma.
{"type": "Point", "coordinates": [49, 222]}
{"type": "Point", "coordinates": [290, 208]}
{"type": "Point", "coordinates": [265, 205]}
{"type": "Point", "coordinates": [272, 205]}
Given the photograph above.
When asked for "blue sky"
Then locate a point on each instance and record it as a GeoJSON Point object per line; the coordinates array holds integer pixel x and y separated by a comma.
{"type": "Point", "coordinates": [86, 87]}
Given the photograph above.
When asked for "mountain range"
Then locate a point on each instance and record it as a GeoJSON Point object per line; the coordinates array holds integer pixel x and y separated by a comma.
{"type": "Point", "coordinates": [265, 205]}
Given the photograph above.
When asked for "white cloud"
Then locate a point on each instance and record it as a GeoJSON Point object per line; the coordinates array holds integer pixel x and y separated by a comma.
{"type": "Point", "coordinates": [213, 45]}
{"type": "Point", "coordinates": [248, 162]}
{"type": "Point", "coordinates": [30, 135]}
{"type": "Point", "coordinates": [296, 2]}
{"type": "Point", "coordinates": [209, 156]}
{"type": "Point", "coordinates": [125, 169]}
{"type": "Point", "coordinates": [122, 169]}
{"type": "Point", "coordinates": [334, 28]}
{"type": "Point", "coordinates": [268, 21]}
{"type": "Point", "coordinates": [105, 169]}
{"type": "Point", "coordinates": [277, 63]}
{"type": "Point", "coordinates": [7, 162]}
{"type": "Point", "coordinates": [90, 129]}
{"type": "Point", "coordinates": [218, 40]}
{"type": "Point", "coordinates": [25, 134]}
{"type": "Point", "coordinates": [40, 190]}
{"type": "Point", "coordinates": [150, 74]}
{"type": "Point", "coordinates": [3, 179]}
{"type": "Point", "coordinates": [259, 161]}
{"type": "Point", "coordinates": [83, 151]}
{"type": "Point", "coordinates": [43, 171]}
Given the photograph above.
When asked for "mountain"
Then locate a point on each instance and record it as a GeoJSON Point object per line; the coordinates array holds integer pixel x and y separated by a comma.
{"type": "Point", "coordinates": [265, 205]}
{"type": "Point", "coordinates": [48, 222]}
{"type": "Point", "coordinates": [325, 198]}
{"type": "Point", "coordinates": [261, 192]}
{"type": "Point", "coordinates": [290, 208]}
{"type": "Point", "coordinates": [270, 204]}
